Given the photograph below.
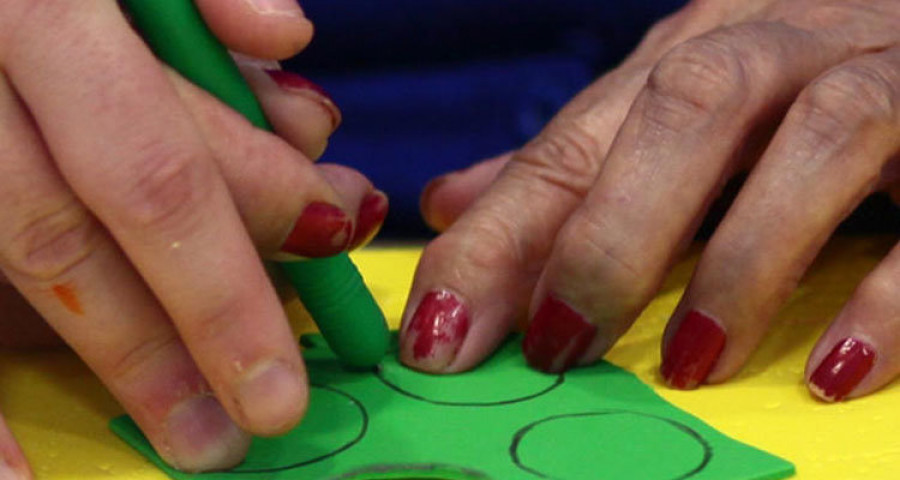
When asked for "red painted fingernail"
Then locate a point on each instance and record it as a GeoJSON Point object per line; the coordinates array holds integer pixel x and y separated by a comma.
{"type": "Point", "coordinates": [372, 211]}
{"type": "Point", "coordinates": [437, 331]}
{"type": "Point", "coordinates": [557, 337]}
{"type": "Point", "coordinates": [842, 370]}
{"type": "Point", "coordinates": [693, 351]}
{"type": "Point", "coordinates": [321, 231]}
{"type": "Point", "coordinates": [293, 83]}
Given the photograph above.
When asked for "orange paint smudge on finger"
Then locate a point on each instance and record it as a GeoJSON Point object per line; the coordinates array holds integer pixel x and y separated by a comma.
{"type": "Point", "coordinates": [67, 296]}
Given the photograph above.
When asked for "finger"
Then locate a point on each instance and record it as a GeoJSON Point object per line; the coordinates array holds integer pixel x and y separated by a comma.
{"type": "Point", "coordinates": [445, 198]}
{"type": "Point", "coordinates": [857, 355]}
{"type": "Point", "coordinates": [288, 204]}
{"type": "Point", "coordinates": [133, 155]}
{"type": "Point", "coordinates": [300, 111]}
{"type": "Point", "coordinates": [274, 29]}
{"type": "Point", "coordinates": [368, 205]}
{"type": "Point", "coordinates": [71, 272]}
{"type": "Point", "coordinates": [828, 155]}
{"type": "Point", "coordinates": [681, 142]}
{"type": "Point", "coordinates": [473, 281]}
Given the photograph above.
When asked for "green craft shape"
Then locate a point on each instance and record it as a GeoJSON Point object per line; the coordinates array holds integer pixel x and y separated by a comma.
{"type": "Point", "coordinates": [502, 421]}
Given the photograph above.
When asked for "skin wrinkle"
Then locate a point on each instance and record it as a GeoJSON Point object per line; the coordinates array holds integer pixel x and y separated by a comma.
{"type": "Point", "coordinates": [771, 51]}
{"type": "Point", "coordinates": [858, 26]}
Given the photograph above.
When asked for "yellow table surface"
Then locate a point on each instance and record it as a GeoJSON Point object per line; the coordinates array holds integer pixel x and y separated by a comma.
{"type": "Point", "coordinates": [59, 411]}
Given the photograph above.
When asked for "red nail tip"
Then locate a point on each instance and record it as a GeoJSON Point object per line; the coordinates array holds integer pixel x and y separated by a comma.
{"type": "Point", "coordinates": [372, 212]}
{"type": "Point", "coordinates": [321, 231]}
{"type": "Point", "coordinates": [693, 351]}
{"type": "Point", "coordinates": [438, 328]}
{"type": "Point", "coordinates": [557, 337]}
{"type": "Point", "coordinates": [842, 370]}
{"type": "Point", "coordinates": [292, 81]}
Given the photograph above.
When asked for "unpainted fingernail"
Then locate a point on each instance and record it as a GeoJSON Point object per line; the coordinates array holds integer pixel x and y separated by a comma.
{"type": "Point", "coordinates": [557, 337]}
{"type": "Point", "coordinates": [271, 397]}
{"type": "Point", "coordinates": [322, 230]}
{"type": "Point", "coordinates": [693, 351]}
{"type": "Point", "coordinates": [201, 436]}
{"type": "Point", "coordinates": [842, 370]}
{"type": "Point", "coordinates": [436, 332]}
{"type": "Point", "coordinates": [288, 8]}
{"type": "Point", "coordinates": [372, 211]}
{"type": "Point", "coordinates": [296, 84]}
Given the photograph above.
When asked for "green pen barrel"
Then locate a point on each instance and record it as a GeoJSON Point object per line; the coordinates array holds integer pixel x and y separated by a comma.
{"type": "Point", "coordinates": [331, 289]}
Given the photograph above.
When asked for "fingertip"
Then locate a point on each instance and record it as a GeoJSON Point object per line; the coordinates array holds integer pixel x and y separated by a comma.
{"type": "Point", "coordinates": [435, 332]}
{"type": "Point", "coordinates": [373, 210]}
{"type": "Point", "coordinates": [200, 436]}
{"type": "Point", "coordinates": [558, 336]}
{"type": "Point", "coordinates": [436, 210]}
{"type": "Point", "coordinates": [272, 398]}
{"type": "Point", "coordinates": [271, 29]}
{"type": "Point", "coordinates": [447, 197]}
{"type": "Point", "coordinates": [839, 374]}
{"type": "Point", "coordinates": [455, 317]}
{"type": "Point", "coordinates": [300, 111]}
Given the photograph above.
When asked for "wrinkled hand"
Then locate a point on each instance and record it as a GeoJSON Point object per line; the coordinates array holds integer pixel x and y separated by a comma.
{"type": "Point", "coordinates": [587, 219]}
{"type": "Point", "coordinates": [135, 208]}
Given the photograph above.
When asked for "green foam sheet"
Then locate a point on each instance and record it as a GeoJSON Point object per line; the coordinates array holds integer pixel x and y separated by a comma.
{"type": "Point", "coordinates": [502, 421]}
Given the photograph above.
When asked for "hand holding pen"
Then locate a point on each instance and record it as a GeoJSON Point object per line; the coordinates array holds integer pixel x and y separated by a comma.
{"type": "Point", "coordinates": [136, 207]}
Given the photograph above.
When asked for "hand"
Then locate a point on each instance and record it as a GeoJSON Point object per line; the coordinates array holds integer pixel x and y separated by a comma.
{"type": "Point", "coordinates": [136, 208]}
{"type": "Point", "coordinates": [578, 228]}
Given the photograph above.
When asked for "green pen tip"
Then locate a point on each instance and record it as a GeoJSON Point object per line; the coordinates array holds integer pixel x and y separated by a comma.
{"type": "Point", "coordinates": [334, 294]}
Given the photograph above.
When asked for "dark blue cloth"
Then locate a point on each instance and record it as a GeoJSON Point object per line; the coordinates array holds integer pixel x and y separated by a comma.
{"type": "Point", "coordinates": [428, 86]}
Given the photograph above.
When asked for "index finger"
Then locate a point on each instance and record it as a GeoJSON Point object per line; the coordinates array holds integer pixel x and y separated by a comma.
{"type": "Point", "coordinates": [131, 153]}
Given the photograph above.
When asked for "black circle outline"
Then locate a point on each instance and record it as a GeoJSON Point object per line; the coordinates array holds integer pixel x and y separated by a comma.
{"type": "Point", "coordinates": [517, 438]}
{"type": "Point", "coordinates": [393, 386]}
{"type": "Point", "coordinates": [346, 446]}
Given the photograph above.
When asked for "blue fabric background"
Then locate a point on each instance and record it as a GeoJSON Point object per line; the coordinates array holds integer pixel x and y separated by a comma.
{"type": "Point", "coordinates": [428, 86]}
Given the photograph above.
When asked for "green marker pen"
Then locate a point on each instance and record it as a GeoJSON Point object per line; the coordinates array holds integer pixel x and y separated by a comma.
{"type": "Point", "coordinates": [331, 289]}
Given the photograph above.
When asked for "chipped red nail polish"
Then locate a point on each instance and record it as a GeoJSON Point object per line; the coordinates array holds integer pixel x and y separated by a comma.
{"type": "Point", "coordinates": [372, 211]}
{"type": "Point", "coordinates": [291, 82]}
{"type": "Point", "coordinates": [557, 337]}
{"type": "Point", "coordinates": [842, 370]}
{"type": "Point", "coordinates": [322, 230]}
{"type": "Point", "coordinates": [437, 330]}
{"type": "Point", "coordinates": [693, 351]}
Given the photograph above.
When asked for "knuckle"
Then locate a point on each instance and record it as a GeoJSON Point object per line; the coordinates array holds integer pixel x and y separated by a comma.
{"type": "Point", "coordinates": [567, 157]}
{"type": "Point", "coordinates": [484, 247]}
{"type": "Point", "coordinates": [856, 93]}
{"type": "Point", "coordinates": [592, 253]}
{"type": "Point", "coordinates": [52, 243]}
{"type": "Point", "coordinates": [695, 80]}
{"type": "Point", "coordinates": [165, 187]}
{"type": "Point", "coordinates": [126, 366]}
{"type": "Point", "coordinates": [878, 288]}
{"type": "Point", "coordinates": [837, 107]}
{"type": "Point", "coordinates": [216, 324]}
